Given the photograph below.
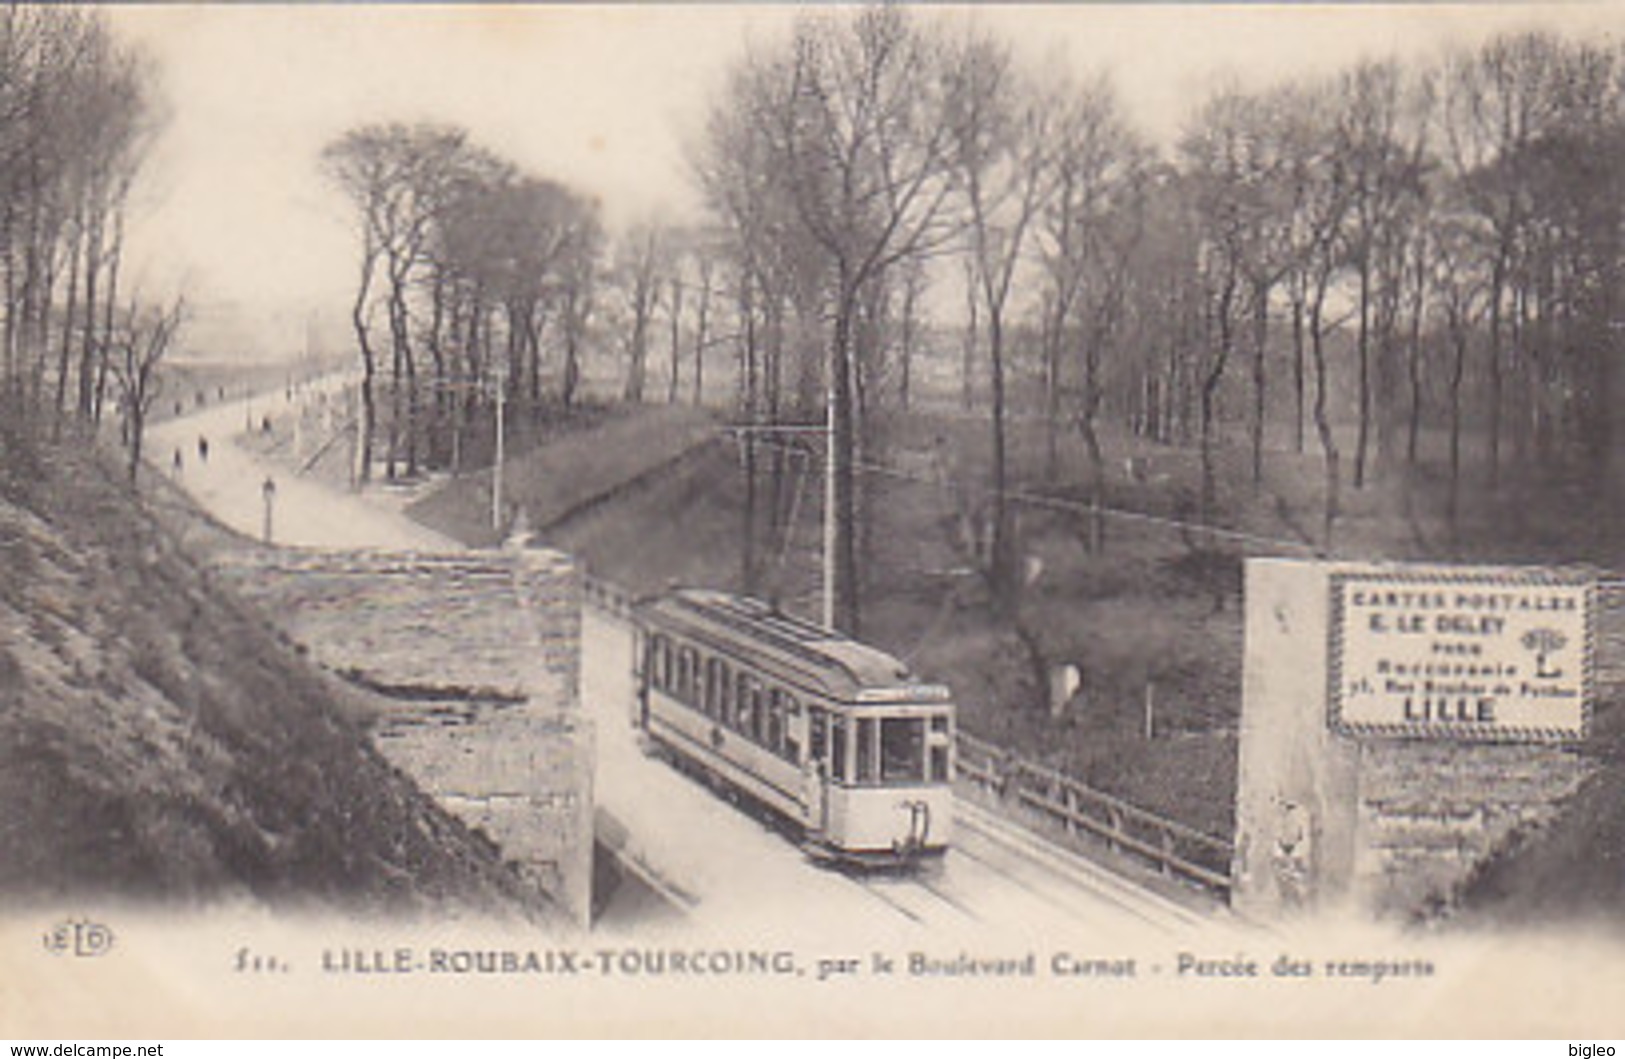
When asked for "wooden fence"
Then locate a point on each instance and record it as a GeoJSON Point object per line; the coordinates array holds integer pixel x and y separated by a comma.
{"type": "Point", "coordinates": [1060, 803]}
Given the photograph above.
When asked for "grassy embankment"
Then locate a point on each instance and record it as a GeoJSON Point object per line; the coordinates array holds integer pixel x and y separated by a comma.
{"type": "Point", "coordinates": [159, 742]}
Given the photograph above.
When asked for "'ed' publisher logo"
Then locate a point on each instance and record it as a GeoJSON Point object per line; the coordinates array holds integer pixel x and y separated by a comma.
{"type": "Point", "coordinates": [79, 937]}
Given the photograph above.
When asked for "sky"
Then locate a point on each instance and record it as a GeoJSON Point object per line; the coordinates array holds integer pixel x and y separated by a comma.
{"type": "Point", "coordinates": [232, 207]}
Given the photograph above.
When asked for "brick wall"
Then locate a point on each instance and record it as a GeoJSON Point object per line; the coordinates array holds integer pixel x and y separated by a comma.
{"type": "Point", "coordinates": [477, 659]}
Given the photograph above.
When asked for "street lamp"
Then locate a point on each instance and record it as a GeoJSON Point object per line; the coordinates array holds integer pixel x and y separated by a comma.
{"type": "Point", "coordinates": [500, 379]}
{"type": "Point", "coordinates": [268, 491]}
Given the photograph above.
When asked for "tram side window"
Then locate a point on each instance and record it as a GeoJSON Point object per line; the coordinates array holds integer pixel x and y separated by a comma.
{"type": "Point", "coordinates": [700, 690]}
{"type": "Point", "coordinates": [773, 722]}
{"type": "Point", "coordinates": [837, 731]}
{"type": "Point", "coordinates": [939, 742]}
{"type": "Point", "coordinates": [685, 674]}
{"type": "Point", "coordinates": [716, 687]}
{"type": "Point", "coordinates": [659, 662]}
{"type": "Point", "coordinates": [817, 735]}
{"type": "Point", "coordinates": [902, 749]}
{"type": "Point", "coordinates": [743, 701]}
{"type": "Point", "coordinates": [758, 714]}
{"type": "Point", "coordinates": [866, 750]}
{"type": "Point", "coordinates": [790, 750]}
{"type": "Point", "coordinates": [777, 734]}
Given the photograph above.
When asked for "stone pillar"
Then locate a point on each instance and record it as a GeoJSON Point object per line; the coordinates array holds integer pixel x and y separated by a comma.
{"type": "Point", "coordinates": [1296, 781]}
{"type": "Point", "coordinates": [548, 587]}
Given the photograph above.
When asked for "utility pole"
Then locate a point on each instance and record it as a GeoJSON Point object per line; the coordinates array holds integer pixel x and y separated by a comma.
{"type": "Point", "coordinates": [829, 505]}
{"type": "Point", "coordinates": [501, 379]}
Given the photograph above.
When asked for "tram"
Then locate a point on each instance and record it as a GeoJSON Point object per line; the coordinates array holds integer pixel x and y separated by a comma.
{"type": "Point", "coordinates": [834, 736]}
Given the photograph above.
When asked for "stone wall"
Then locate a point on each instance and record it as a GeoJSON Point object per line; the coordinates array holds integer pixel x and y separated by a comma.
{"type": "Point", "coordinates": [477, 658]}
{"type": "Point", "coordinates": [1429, 813]}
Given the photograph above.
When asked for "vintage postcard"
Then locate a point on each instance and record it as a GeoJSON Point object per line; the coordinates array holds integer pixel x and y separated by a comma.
{"type": "Point", "coordinates": [802, 521]}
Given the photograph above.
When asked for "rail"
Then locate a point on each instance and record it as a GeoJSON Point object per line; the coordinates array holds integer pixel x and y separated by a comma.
{"type": "Point", "coordinates": [1022, 789]}
{"type": "Point", "coordinates": [1076, 809]}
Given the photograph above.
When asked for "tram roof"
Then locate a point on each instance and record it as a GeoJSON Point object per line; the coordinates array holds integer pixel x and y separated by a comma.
{"type": "Point", "coordinates": [842, 667]}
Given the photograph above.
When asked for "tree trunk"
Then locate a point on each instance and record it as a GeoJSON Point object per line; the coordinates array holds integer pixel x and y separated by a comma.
{"type": "Point", "coordinates": [369, 411]}
{"type": "Point", "coordinates": [87, 354]}
{"type": "Point", "coordinates": [1413, 427]}
{"type": "Point", "coordinates": [1458, 369]}
{"type": "Point", "coordinates": [1261, 294]}
{"type": "Point", "coordinates": [967, 372]}
{"type": "Point", "coordinates": [1210, 388]}
{"type": "Point", "coordinates": [1055, 322]}
{"type": "Point", "coordinates": [138, 426]}
{"type": "Point", "coordinates": [676, 339]}
{"type": "Point", "coordinates": [1493, 428]}
{"type": "Point", "coordinates": [702, 319]}
{"type": "Point", "coordinates": [1323, 427]}
{"type": "Point", "coordinates": [1298, 298]}
{"type": "Point", "coordinates": [65, 355]}
{"type": "Point", "coordinates": [1363, 351]}
{"type": "Point", "coordinates": [1091, 444]}
{"type": "Point", "coordinates": [437, 355]}
{"type": "Point", "coordinates": [104, 347]}
{"type": "Point", "coordinates": [1002, 547]}
{"type": "Point", "coordinates": [400, 357]}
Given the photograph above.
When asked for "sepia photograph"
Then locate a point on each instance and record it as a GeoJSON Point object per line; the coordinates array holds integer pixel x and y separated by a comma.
{"type": "Point", "coordinates": [872, 520]}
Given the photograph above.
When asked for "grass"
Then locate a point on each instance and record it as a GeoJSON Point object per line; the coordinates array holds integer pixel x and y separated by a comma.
{"type": "Point", "coordinates": [562, 468]}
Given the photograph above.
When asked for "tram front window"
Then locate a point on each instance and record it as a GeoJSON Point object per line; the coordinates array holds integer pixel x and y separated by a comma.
{"type": "Point", "coordinates": [902, 749]}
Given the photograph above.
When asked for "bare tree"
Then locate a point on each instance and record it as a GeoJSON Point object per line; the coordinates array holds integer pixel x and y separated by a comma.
{"type": "Point", "coordinates": [399, 178]}
{"type": "Point", "coordinates": [865, 136]}
{"type": "Point", "coordinates": [1003, 139]}
{"type": "Point", "coordinates": [1496, 102]}
{"type": "Point", "coordinates": [145, 337]}
{"type": "Point", "coordinates": [76, 118]}
{"type": "Point", "coordinates": [1228, 169]}
{"type": "Point", "coordinates": [1459, 287]}
{"type": "Point", "coordinates": [643, 260]}
{"type": "Point", "coordinates": [1384, 164]}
